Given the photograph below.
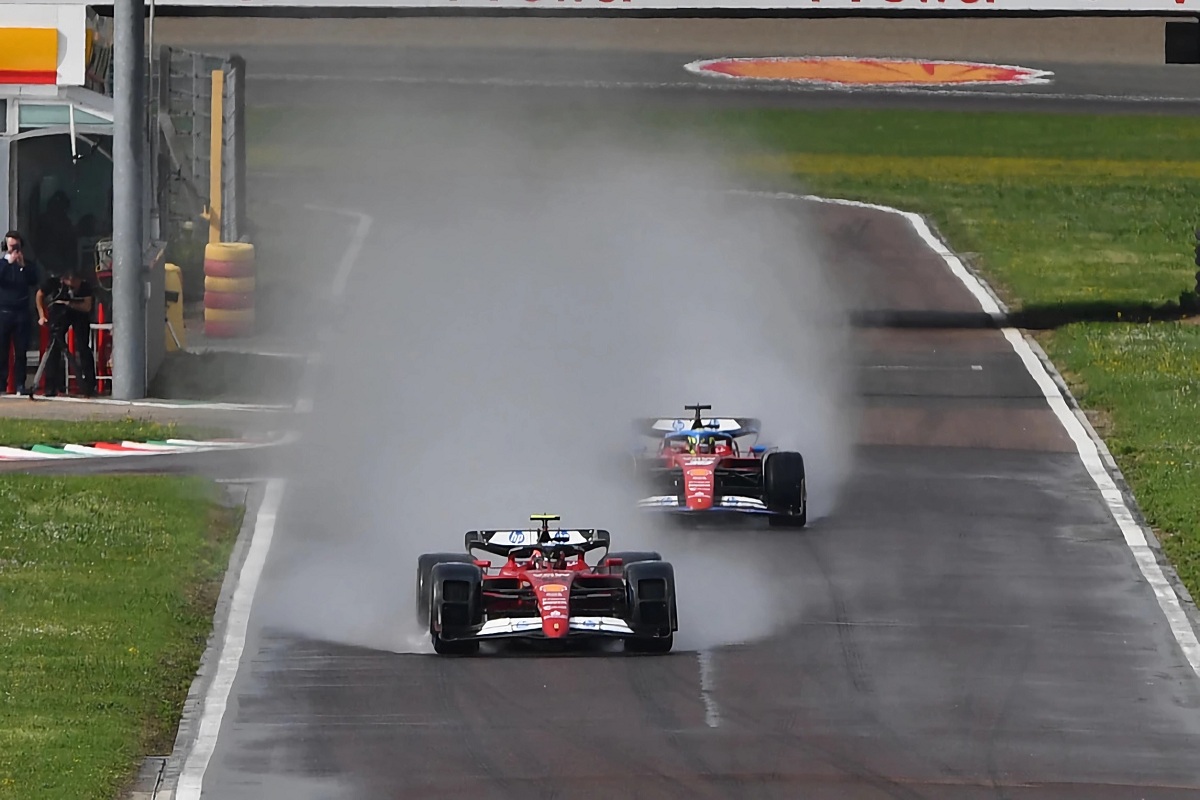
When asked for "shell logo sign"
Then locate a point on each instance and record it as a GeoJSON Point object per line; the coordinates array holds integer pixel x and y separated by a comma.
{"type": "Point", "coordinates": [28, 55]}
{"type": "Point", "coordinates": [848, 72]}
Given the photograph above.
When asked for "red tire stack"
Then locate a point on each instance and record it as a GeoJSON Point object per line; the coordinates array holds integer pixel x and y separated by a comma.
{"type": "Point", "coordinates": [228, 289]}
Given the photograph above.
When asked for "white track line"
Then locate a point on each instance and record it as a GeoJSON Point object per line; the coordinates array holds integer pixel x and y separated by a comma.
{"type": "Point", "coordinates": [712, 712]}
{"type": "Point", "coordinates": [362, 227]}
{"type": "Point", "coordinates": [229, 656]}
{"type": "Point", "coordinates": [192, 777]}
{"type": "Point", "coordinates": [1088, 443]}
{"type": "Point", "coordinates": [350, 256]}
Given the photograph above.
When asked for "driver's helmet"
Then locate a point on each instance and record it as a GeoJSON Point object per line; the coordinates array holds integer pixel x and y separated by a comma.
{"type": "Point", "coordinates": [558, 560]}
{"type": "Point", "coordinates": [705, 445]}
{"type": "Point", "coordinates": [676, 445]}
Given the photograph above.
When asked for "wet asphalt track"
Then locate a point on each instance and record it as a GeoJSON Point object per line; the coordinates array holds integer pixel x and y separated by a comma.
{"type": "Point", "coordinates": [372, 75]}
{"type": "Point", "coordinates": [972, 624]}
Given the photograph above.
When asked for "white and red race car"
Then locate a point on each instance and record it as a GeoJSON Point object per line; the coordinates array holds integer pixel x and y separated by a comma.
{"type": "Point", "coordinates": [700, 467]}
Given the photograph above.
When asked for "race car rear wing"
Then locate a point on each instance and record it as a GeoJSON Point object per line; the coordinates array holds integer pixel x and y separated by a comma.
{"type": "Point", "coordinates": [519, 543]}
{"type": "Point", "coordinates": [735, 426]}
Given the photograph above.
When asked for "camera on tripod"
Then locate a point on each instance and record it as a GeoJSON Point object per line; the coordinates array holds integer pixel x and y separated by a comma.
{"type": "Point", "coordinates": [56, 305]}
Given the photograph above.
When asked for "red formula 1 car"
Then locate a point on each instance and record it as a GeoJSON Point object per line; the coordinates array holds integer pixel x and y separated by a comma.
{"type": "Point", "coordinates": [545, 590]}
{"type": "Point", "coordinates": [699, 467]}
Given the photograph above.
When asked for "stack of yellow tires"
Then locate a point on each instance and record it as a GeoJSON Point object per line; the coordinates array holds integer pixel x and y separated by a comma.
{"type": "Point", "coordinates": [228, 289]}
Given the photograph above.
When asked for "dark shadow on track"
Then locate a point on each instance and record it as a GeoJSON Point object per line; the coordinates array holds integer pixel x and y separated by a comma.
{"type": "Point", "coordinates": [1034, 317]}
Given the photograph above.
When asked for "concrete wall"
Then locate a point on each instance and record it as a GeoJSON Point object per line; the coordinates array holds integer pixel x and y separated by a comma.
{"type": "Point", "coordinates": [1064, 40]}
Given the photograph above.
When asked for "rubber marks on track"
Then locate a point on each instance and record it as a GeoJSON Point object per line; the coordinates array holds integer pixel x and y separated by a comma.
{"type": "Point", "coordinates": [848, 73]}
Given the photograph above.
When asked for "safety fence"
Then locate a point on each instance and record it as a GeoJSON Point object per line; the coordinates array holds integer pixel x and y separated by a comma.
{"type": "Point", "coordinates": [181, 111]}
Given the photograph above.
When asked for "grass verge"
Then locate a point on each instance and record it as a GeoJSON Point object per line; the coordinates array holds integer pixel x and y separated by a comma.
{"type": "Point", "coordinates": [16, 432]}
{"type": "Point", "coordinates": [108, 585]}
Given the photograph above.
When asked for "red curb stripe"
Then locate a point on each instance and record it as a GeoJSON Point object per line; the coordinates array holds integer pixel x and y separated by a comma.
{"type": "Point", "coordinates": [118, 447]}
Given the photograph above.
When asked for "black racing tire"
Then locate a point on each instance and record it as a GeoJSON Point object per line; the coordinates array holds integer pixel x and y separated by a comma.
{"type": "Point", "coordinates": [657, 646]}
{"type": "Point", "coordinates": [785, 489]}
{"type": "Point", "coordinates": [425, 565]}
{"type": "Point", "coordinates": [631, 557]}
{"type": "Point", "coordinates": [461, 613]}
{"type": "Point", "coordinates": [635, 556]}
{"type": "Point", "coordinates": [461, 647]}
{"type": "Point", "coordinates": [651, 607]}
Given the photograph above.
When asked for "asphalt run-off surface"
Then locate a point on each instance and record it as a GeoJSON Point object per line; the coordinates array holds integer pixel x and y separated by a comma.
{"type": "Point", "coordinates": [974, 624]}
{"type": "Point", "coordinates": [371, 76]}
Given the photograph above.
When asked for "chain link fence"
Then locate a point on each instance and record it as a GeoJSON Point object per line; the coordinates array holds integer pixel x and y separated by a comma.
{"type": "Point", "coordinates": [179, 121]}
{"type": "Point", "coordinates": [180, 108]}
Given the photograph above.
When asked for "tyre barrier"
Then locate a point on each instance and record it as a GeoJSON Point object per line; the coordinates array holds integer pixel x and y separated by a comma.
{"type": "Point", "coordinates": [229, 251]}
{"type": "Point", "coordinates": [229, 284]}
{"type": "Point", "coordinates": [225, 330]}
{"type": "Point", "coordinates": [226, 300]}
{"type": "Point", "coordinates": [229, 269]}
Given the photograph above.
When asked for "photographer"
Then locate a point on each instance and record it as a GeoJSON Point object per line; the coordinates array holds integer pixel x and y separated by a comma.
{"type": "Point", "coordinates": [65, 304]}
{"type": "Point", "coordinates": [18, 275]}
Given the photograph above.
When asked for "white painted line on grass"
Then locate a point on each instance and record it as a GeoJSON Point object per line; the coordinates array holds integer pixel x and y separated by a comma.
{"type": "Point", "coordinates": [229, 658]}
{"type": "Point", "coordinates": [1088, 443]}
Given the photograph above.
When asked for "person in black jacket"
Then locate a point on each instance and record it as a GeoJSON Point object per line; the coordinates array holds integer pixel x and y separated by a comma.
{"type": "Point", "coordinates": [18, 275]}
{"type": "Point", "coordinates": [65, 304]}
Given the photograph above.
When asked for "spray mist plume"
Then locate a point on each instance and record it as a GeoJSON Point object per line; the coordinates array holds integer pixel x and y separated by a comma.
{"type": "Point", "coordinates": [514, 308]}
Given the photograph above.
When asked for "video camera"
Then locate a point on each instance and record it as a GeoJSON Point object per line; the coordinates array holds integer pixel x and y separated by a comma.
{"type": "Point", "coordinates": [53, 296]}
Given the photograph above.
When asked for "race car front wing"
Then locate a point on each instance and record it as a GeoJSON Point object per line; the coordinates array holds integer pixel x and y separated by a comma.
{"type": "Point", "coordinates": [672, 502]}
{"type": "Point", "coordinates": [532, 627]}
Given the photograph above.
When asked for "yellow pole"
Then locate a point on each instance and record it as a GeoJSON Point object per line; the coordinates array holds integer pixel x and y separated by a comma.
{"type": "Point", "coordinates": [216, 150]}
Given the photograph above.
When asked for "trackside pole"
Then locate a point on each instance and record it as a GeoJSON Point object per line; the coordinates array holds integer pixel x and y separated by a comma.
{"type": "Point", "coordinates": [129, 136]}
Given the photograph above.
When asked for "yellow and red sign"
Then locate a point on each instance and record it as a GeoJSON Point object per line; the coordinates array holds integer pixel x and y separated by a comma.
{"type": "Point", "coordinates": [866, 72]}
{"type": "Point", "coordinates": [29, 55]}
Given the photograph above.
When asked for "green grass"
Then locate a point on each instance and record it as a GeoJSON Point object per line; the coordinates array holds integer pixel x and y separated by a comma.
{"type": "Point", "coordinates": [1073, 219]}
{"type": "Point", "coordinates": [107, 586]}
{"type": "Point", "coordinates": [1143, 380]}
{"type": "Point", "coordinates": [17, 432]}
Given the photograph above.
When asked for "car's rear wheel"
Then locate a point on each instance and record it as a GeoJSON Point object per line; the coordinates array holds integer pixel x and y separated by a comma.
{"type": "Point", "coordinates": [634, 557]}
{"type": "Point", "coordinates": [650, 607]}
{"type": "Point", "coordinates": [462, 647]}
{"type": "Point", "coordinates": [456, 607]}
{"type": "Point", "coordinates": [785, 489]}
{"type": "Point", "coordinates": [425, 565]}
{"type": "Point", "coordinates": [657, 646]}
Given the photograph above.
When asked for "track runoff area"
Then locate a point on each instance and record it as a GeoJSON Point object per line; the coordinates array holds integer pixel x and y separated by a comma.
{"type": "Point", "coordinates": [946, 649]}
